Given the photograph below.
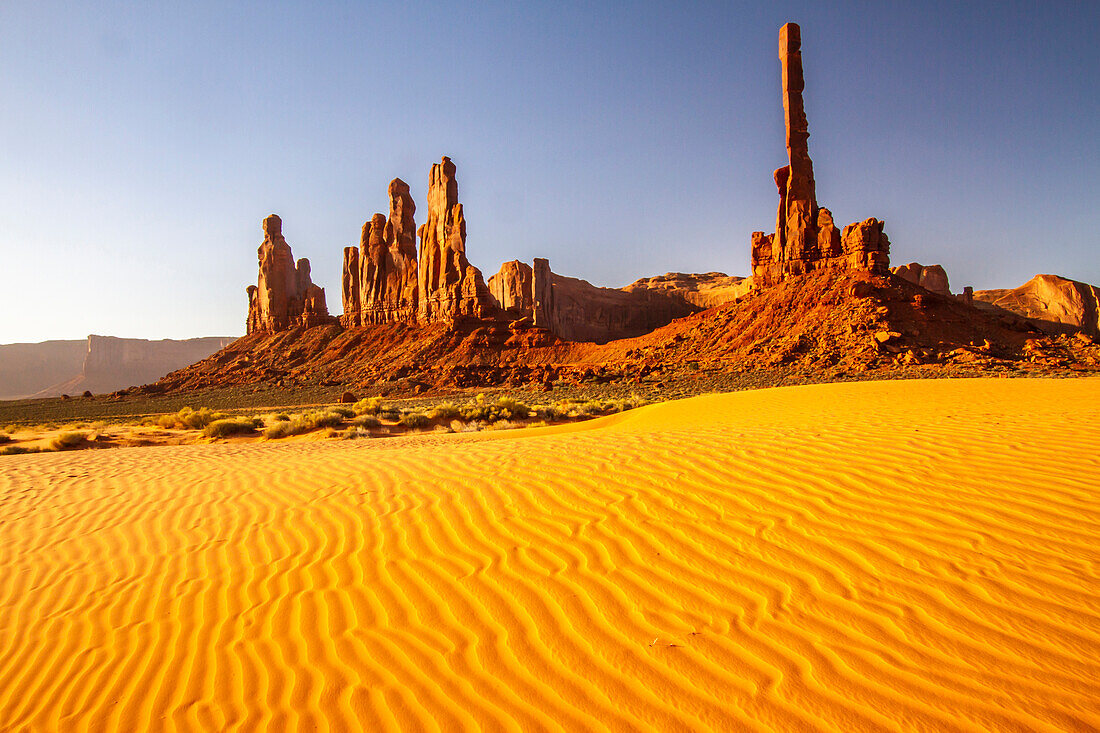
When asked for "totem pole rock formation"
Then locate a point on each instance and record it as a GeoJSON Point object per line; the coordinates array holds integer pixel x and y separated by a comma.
{"type": "Point", "coordinates": [450, 287]}
{"type": "Point", "coordinates": [284, 296]}
{"type": "Point", "coordinates": [805, 236]}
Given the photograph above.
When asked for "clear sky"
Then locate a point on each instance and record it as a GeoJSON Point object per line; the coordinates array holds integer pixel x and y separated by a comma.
{"type": "Point", "coordinates": [142, 143]}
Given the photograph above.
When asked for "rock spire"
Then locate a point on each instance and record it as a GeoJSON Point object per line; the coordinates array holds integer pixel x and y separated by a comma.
{"type": "Point", "coordinates": [284, 295]}
{"type": "Point", "coordinates": [450, 287]}
{"type": "Point", "coordinates": [806, 237]}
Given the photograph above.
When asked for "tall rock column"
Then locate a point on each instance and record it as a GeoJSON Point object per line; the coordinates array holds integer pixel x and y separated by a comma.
{"type": "Point", "coordinates": [349, 289]}
{"type": "Point", "coordinates": [806, 237]}
{"type": "Point", "coordinates": [372, 270]}
{"type": "Point", "coordinates": [284, 295]}
{"type": "Point", "coordinates": [278, 280]}
{"type": "Point", "coordinates": [799, 200]}
{"type": "Point", "coordinates": [402, 286]}
{"type": "Point", "coordinates": [449, 286]}
{"type": "Point", "coordinates": [542, 294]}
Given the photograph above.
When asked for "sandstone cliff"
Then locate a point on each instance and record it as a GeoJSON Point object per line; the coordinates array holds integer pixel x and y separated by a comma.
{"type": "Point", "coordinates": [512, 288]}
{"type": "Point", "coordinates": [1053, 303]}
{"type": "Point", "coordinates": [99, 364]}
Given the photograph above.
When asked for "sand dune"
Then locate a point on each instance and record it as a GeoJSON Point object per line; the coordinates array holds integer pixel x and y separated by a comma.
{"type": "Point", "coordinates": [878, 556]}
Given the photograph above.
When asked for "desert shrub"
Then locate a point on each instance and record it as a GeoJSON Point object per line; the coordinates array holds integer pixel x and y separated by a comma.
{"type": "Point", "coordinates": [332, 433]}
{"type": "Point", "coordinates": [304, 424]}
{"type": "Point", "coordinates": [281, 417]}
{"type": "Point", "coordinates": [189, 419]}
{"type": "Point", "coordinates": [368, 406]}
{"type": "Point", "coordinates": [444, 411]}
{"type": "Point", "coordinates": [367, 421]}
{"type": "Point", "coordinates": [501, 424]}
{"type": "Point", "coordinates": [67, 440]}
{"type": "Point", "coordinates": [392, 415]}
{"type": "Point", "coordinates": [282, 430]}
{"type": "Point", "coordinates": [510, 408]}
{"type": "Point", "coordinates": [4, 438]}
{"type": "Point", "coordinates": [231, 426]}
{"type": "Point", "coordinates": [326, 419]}
{"type": "Point", "coordinates": [18, 450]}
{"type": "Point", "coordinates": [415, 420]}
{"type": "Point", "coordinates": [344, 412]}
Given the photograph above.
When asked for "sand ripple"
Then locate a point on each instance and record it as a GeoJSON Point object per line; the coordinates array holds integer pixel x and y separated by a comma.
{"type": "Point", "coordinates": [878, 556]}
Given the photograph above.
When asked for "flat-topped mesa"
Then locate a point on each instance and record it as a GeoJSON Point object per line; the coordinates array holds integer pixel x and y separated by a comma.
{"type": "Point", "coordinates": [284, 296]}
{"type": "Point", "coordinates": [450, 288]}
{"type": "Point", "coordinates": [805, 236]}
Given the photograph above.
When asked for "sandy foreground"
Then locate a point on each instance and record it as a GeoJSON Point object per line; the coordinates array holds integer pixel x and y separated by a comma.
{"type": "Point", "coordinates": [920, 555]}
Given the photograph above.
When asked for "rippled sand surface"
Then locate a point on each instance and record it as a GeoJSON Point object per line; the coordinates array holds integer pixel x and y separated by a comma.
{"type": "Point", "coordinates": [920, 555]}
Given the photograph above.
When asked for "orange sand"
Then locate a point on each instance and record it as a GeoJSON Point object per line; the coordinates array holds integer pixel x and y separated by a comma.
{"type": "Point", "coordinates": [879, 556]}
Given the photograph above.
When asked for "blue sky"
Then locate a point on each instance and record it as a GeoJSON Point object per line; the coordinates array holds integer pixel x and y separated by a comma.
{"type": "Point", "coordinates": [141, 144]}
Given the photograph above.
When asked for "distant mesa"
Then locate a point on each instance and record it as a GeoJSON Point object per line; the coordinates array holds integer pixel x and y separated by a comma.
{"type": "Point", "coordinates": [99, 364]}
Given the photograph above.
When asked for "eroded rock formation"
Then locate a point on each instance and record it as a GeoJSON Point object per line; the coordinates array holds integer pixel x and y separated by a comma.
{"type": "Point", "coordinates": [284, 295]}
{"type": "Point", "coordinates": [929, 277]}
{"type": "Point", "coordinates": [1053, 303]}
{"type": "Point", "coordinates": [512, 288]}
{"type": "Point", "coordinates": [349, 289]}
{"type": "Point", "coordinates": [806, 237]}
{"type": "Point", "coordinates": [387, 255]}
{"type": "Point", "coordinates": [450, 287]}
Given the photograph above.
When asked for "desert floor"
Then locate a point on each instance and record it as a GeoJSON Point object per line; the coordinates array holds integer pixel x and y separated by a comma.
{"type": "Point", "coordinates": [919, 555]}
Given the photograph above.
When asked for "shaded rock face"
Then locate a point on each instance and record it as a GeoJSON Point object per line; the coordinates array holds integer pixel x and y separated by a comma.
{"type": "Point", "coordinates": [930, 277]}
{"type": "Point", "coordinates": [1053, 303]}
{"type": "Point", "coordinates": [580, 311]}
{"type": "Point", "coordinates": [450, 287]}
{"type": "Point", "coordinates": [284, 295]}
{"type": "Point", "coordinates": [576, 310]}
{"type": "Point", "coordinates": [806, 238]}
{"type": "Point", "coordinates": [512, 288]}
